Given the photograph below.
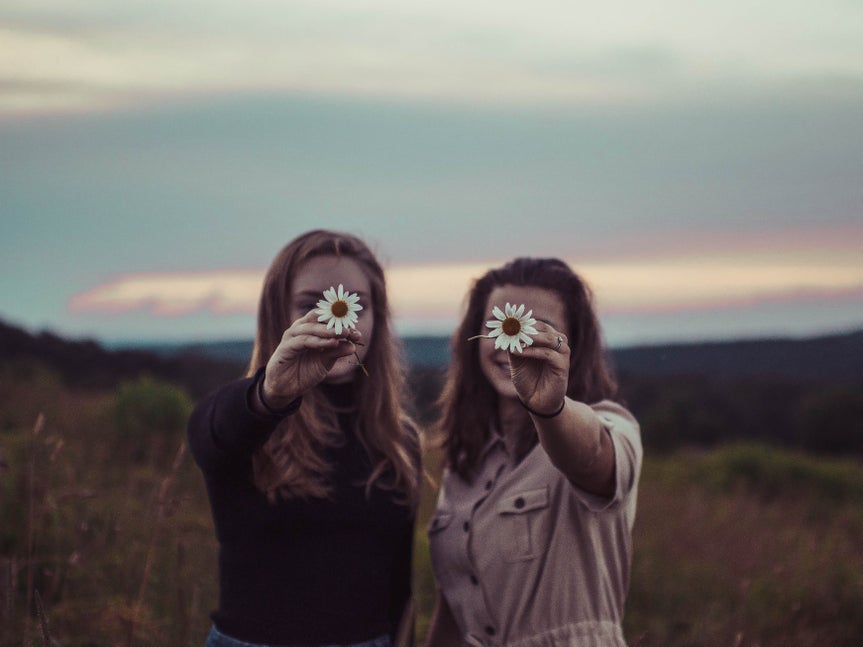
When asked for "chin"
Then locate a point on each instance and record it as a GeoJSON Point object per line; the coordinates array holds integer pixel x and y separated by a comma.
{"type": "Point", "coordinates": [504, 389]}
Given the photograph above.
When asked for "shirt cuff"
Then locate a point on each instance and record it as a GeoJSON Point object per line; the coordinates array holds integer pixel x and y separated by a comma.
{"type": "Point", "coordinates": [255, 390]}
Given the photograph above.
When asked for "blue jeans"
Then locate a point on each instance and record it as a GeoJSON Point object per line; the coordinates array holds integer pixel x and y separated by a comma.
{"type": "Point", "coordinates": [218, 639]}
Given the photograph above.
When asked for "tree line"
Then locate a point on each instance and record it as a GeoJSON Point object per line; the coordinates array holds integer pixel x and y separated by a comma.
{"type": "Point", "coordinates": [682, 395]}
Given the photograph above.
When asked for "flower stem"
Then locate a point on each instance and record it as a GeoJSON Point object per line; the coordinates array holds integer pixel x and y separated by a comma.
{"type": "Point", "coordinates": [361, 365]}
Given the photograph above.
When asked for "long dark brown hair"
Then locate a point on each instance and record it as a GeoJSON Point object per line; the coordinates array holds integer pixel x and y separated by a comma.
{"type": "Point", "coordinates": [468, 401]}
{"type": "Point", "coordinates": [291, 463]}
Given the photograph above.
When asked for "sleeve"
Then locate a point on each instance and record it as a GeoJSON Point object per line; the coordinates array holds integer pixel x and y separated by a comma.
{"type": "Point", "coordinates": [401, 588]}
{"type": "Point", "coordinates": [623, 429]}
{"type": "Point", "coordinates": [401, 592]}
{"type": "Point", "coordinates": [223, 428]}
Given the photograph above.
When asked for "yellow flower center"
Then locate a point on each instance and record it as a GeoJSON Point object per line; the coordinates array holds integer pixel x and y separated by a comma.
{"type": "Point", "coordinates": [511, 326]}
{"type": "Point", "coordinates": [339, 309]}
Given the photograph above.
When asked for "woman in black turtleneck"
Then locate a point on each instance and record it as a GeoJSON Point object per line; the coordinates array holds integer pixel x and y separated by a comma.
{"type": "Point", "coordinates": [311, 466]}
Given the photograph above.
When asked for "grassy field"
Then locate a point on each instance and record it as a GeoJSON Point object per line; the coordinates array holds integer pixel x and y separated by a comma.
{"type": "Point", "coordinates": [747, 545]}
{"type": "Point", "coordinates": [104, 514]}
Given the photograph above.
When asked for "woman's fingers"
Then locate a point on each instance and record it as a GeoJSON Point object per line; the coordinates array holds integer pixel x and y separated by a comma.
{"type": "Point", "coordinates": [304, 330]}
{"type": "Point", "coordinates": [547, 345]}
{"type": "Point", "coordinates": [542, 353]}
{"type": "Point", "coordinates": [331, 346]}
{"type": "Point", "coordinates": [548, 337]}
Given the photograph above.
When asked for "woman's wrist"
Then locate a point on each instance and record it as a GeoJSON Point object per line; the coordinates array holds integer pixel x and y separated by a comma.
{"type": "Point", "coordinates": [546, 416]}
{"type": "Point", "coordinates": [267, 407]}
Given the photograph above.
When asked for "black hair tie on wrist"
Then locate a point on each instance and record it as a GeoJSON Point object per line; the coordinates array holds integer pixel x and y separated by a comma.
{"type": "Point", "coordinates": [292, 406]}
{"type": "Point", "coordinates": [544, 415]}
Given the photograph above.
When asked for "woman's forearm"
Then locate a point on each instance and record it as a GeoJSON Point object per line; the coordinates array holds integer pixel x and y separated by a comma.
{"type": "Point", "coordinates": [578, 444]}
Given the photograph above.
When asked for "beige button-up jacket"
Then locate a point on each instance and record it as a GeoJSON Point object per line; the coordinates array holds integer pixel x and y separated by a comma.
{"type": "Point", "coordinates": [525, 559]}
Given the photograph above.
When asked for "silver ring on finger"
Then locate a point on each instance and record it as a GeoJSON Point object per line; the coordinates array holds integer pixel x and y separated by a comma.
{"type": "Point", "coordinates": [559, 343]}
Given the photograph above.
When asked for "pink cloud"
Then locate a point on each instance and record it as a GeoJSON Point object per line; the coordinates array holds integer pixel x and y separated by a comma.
{"type": "Point", "coordinates": [173, 294]}
{"type": "Point", "coordinates": [435, 293]}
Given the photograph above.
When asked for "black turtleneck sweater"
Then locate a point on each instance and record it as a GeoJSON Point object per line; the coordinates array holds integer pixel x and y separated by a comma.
{"type": "Point", "coordinates": [313, 572]}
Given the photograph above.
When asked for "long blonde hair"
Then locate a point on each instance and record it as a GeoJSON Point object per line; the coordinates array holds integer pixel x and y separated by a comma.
{"type": "Point", "coordinates": [291, 463]}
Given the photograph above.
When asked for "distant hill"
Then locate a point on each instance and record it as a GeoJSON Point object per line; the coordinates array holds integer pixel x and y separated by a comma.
{"type": "Point", "coordinates": [202, 366]}
{"type": "Point", "coordinates": [837, 357]}
{"type": "Point", "coordinates": [423, 351]}
{"type": "Point", "coordinates": [805, 393]}
{"type": "Point", "coordinates": [87, 364]}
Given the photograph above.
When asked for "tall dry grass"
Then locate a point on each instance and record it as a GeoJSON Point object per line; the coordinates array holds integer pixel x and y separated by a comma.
{"type": "Point", "coordinates": [120, 550]}
{"type": "Point", "coordinates": [742, 545]}
{"type": "Point", "coordinates": [161, 513]}
{"type": "Point", "coordinates": [748, 545]}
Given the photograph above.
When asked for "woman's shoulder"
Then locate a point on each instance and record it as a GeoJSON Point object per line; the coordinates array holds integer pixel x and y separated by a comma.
{"type": "Point", "coordinates": [612, 411]}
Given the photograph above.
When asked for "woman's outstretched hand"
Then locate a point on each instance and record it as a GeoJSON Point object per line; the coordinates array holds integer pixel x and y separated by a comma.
{"type": "Point", "coordinates": [303, 358]}
{"type": "Point", "coordinates": [540, 373]}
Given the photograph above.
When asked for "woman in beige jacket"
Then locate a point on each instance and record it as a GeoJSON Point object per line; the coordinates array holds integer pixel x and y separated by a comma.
{"type": "Point", "coordinates": [531, 538]}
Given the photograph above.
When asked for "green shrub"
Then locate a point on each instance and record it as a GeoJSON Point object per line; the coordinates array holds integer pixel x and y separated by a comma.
{"type": "Point", "coordinates": [150, 416]}
{"type": "Point", "coordinates": [771, 472]}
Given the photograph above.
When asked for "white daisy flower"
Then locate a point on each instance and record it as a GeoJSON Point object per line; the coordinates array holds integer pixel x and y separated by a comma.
{"type": "Point", "coordinates": [512, 328]}
{"type": "Point", "coordinates": [339, 309]}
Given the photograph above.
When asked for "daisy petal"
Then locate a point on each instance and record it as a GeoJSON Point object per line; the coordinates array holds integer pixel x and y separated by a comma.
{"type": "Point", "coordinates": [497, 313]}
{"type": "Point", "coordinates": [330, 294]}
{"type": "Point", "coordinates": [494, 323]}
{"type": "Point", "coordinates": [331, 323]}
{"type": "Point", "coordinates": [341, 292]}
{"type": "Point", "coordinates": [530, 330]}
{"type": "Point", "coordinates": [519, 312]}
{"type": "Point", "coordinates": [495, 333]}
{"type": "Point", "coordinates": [338, 326]}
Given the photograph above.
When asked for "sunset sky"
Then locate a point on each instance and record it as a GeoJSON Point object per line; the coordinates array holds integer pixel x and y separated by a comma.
{"type": "Point", "coordinates": [701, 164]}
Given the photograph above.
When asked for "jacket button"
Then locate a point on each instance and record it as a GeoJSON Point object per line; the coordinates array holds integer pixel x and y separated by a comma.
{"type": "Point", "coordinates": [519, 503]}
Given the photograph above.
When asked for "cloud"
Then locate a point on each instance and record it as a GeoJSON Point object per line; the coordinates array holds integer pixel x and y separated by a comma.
{"type": "Point", "coordinates": [174, 294]}
{"type": "Point", "coordinates": [698, 283]}
{"type": "Point", "coordinates": [433, 294]}
{"type": "Point", "coordinates": [541, 52]}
